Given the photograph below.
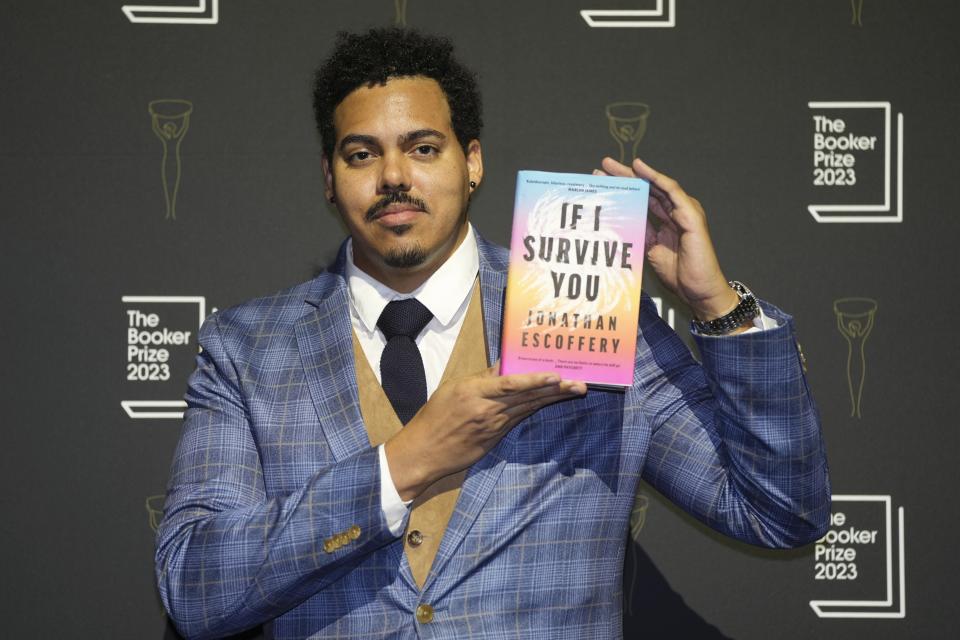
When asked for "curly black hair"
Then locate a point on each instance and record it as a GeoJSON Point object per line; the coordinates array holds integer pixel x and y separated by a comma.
{"type": "Point", "coordinates": [380, 54]}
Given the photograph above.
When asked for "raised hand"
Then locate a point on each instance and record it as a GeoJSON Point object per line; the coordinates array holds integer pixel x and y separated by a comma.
{"type": "Point", "coordinates": [678, 244]}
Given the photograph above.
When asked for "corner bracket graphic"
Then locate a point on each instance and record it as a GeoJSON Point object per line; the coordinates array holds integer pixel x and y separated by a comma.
{"type": "Point", "coordinates": [142, 409]}
{"type": "Point", "coordinates": [172, 14]}
{"type": "Point", "coordinates": [658, 17]}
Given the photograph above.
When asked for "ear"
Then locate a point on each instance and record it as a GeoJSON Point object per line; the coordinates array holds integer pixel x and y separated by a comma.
{"type": "Point", "coordinates": [327, 178]}
{"type": "Point", "coordinates": [474, 162]}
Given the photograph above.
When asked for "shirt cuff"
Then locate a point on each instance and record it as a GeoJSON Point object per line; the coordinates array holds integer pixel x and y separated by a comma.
{"type": "Point", "coordinates": [762, 322]}
{"type": "Point", "coordinates": [394, 509]}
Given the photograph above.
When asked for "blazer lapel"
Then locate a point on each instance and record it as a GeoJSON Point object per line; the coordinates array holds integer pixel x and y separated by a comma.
{"type": "Point", "coordinates": [325, 343]}
{"type": "Point", "coordinates": [483, 475]}
{"type": "Point", "coordinates": [493, 286]}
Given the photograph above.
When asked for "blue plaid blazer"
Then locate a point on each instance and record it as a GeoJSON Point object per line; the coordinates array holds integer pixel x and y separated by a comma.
{"type": "Point", "coordinates": [274, 460]}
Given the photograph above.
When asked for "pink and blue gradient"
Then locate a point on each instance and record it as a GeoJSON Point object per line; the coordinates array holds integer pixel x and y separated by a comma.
{"type": "Point", "coordinates": [530, 284]}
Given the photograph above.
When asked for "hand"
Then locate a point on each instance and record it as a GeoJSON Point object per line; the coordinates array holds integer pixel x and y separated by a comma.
{"type": "Point", "coordinates": [678, 246]}
{"type": "Point", "coordinates": [463, 420]}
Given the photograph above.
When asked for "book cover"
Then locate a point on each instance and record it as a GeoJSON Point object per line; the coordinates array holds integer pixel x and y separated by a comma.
{"type": "Point", "coordinates": [573, 285]}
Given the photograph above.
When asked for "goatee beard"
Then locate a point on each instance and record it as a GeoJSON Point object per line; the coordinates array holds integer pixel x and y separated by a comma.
{"type": "Point", "coordinates": [406, 258]}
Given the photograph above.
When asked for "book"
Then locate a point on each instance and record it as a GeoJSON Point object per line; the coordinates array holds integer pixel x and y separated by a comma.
{"type": "Point", "coordinates": [573, 284]}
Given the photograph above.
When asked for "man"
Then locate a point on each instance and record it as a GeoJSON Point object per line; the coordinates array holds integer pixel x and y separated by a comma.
{"type": "Point", "coordinates": [312, 492]}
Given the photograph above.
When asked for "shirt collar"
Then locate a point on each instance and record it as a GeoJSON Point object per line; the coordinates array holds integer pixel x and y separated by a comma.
{"type": "Point", "coordinates": [443, 293]}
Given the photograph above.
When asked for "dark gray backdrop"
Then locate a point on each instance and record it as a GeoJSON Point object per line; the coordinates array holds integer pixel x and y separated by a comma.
{"type": "Point", "coordinates": [728, 88]}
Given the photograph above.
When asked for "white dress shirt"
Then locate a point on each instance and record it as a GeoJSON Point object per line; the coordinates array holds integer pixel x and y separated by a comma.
{"type": "Point", "coordinates": [446, 294]}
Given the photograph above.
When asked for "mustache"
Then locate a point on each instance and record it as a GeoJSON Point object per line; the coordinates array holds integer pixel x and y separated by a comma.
{"type": "Point", "coordinates": [396, 197]}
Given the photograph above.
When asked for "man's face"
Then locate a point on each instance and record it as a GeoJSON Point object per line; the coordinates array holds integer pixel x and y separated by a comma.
{"type": "Point", "coordinates": [401, 179]}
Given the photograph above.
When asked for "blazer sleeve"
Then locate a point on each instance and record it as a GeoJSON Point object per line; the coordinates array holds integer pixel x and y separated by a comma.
{"type": "Point", "coordinates": [736, 440]}
{"type": "Point", "coordinates": [228, 557]}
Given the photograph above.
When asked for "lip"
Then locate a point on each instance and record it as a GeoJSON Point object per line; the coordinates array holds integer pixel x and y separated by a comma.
{"type": "Point", "coordinates": [397, 214]}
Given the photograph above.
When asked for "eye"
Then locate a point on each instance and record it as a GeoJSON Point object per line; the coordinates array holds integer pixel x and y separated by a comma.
{"type": "Point", "coordinates": [425, 150]}
{"type": "Point", "coordinates": [358, 156]}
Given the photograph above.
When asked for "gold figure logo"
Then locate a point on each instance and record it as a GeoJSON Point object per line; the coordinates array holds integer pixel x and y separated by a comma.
{"type": "Point", "coordinates": [638, 515]}
{"type": "Point", "coordinates": [170, 120]}
{"type": "Point", "coordinates": [628, 124]}
{"type": "Point", "coordinates": [154, 506]}
{"type": "Point", "coordinates": [400, 7]}
{"type": "Point", "coordinates": [855, 321]}
{"type": "Point", "coordinates": [856, 9]}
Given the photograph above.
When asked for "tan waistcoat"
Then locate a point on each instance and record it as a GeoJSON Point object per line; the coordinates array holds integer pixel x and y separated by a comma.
{"type": "Point", "coordinates": [431, 511]}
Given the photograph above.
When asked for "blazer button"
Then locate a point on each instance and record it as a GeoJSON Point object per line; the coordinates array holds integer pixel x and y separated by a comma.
{"type": "Point", "coordinates": [353, 532]}
{"type": "Point", "coordinates": [424, 613]}
{"type": "Point", "coordinates": [415, 538]}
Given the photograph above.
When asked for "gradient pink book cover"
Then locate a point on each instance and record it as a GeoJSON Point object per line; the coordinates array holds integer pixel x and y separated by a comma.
{"type": "Point", "coordinates": [573, 286]}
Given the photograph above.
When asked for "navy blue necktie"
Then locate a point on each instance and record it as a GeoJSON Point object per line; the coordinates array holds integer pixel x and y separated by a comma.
{"type": "Point", "coordinates": [401, 366]}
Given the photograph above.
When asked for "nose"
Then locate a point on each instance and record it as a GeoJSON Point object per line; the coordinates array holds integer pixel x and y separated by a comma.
{"type": "Point", "coordinates": [394, 173]}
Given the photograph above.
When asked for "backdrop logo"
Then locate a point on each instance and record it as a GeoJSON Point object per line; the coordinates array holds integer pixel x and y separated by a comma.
{"type": "Point", "coordinates": [854, 564]}
{"type": "Point", "coordinates": [400, 13]}
{"type": "Point", "coordinates": [173, 14]}
{"type": "Point", "coordinates": [627, 124]}
{"type": "Point", "coordinates": [170, 120]}
{"type": "Point", "coordinates": [154, 506]}
{"type": "Point", "coordinates": [638, 515]}
{"type": "Point", "coordinates": [856, 12]}
{"type": "Point", "coordinates": [161, 348]}
{"type": "Point", "coordinates": [855, 321]}
{"type": "Point", "coordinates": [852, 171]}
{"type": "Point", "coordinates": [660, 15]}
{"type": "Point", "coordinates": [638, 518]}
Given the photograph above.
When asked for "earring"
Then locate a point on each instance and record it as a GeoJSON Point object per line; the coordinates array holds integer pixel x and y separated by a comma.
{"type": "Point", "coordinates": [473, 185]}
